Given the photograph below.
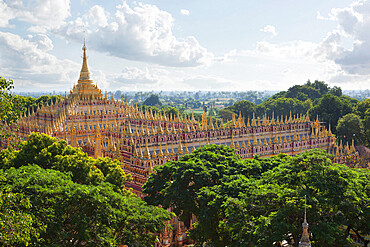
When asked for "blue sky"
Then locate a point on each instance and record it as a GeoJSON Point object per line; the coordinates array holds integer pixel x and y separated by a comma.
{"type": "Point", "coordinates": [185, 45]}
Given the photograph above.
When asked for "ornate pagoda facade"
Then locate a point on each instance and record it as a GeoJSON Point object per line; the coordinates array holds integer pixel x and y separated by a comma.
{"type": "Point", "coordinates": [141, 140]}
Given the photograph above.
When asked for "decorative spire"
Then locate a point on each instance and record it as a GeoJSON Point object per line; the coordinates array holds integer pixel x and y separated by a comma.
{"type": "Point", "coordinates": [253, 121]}
{"type": "Point", "coordinates": [179, 149]}
{"type": "Point", "coordinates": [204, 120]}
{"type": "Point", "coordinates": [160, 153]}
{"type": "Point", "coordinates": [85, 73]}
{"type": "Point", "coordinates": [305, 239]}
{"type": "Point", "coordinates": [146, 152]}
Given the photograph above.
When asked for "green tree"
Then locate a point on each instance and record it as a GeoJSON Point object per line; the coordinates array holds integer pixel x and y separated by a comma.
{"type": "Point", "coordinates": [366, 122]}
{"type": "Point", "coordinates": [65, 213]}
{"type": "Point", "coordinates": [329, 109]}
{"type": "Point", "coordinates": [350, 128]}
{"type": "Point", "coordinates": [16, 223]}
{"type": "Point", "coordinates": [170, 111]}
{"type": "Point", "coordinates": [260, 201]}
{"type": "Point", "coordinates": [337, 91]}
{"type": "Point", "coordinates": [152, 100]}
{"type": "Point", "coordinates": [230, 102]}
{"type": "Point", "coordinates": [183, 185]}
{"type": "Point", "coordinates": [244, 107]}
{"type": "Point", "coordinates": [303, 92]}
{"type": "Point", "coordinates": [10, 107]}
{"type": "Point", "coordinates": [321, 86]}
{"type": "Point", "coordinates": [362, 107]}
{"type": "Point", "coordinates": [177, 183]}
{"type": "Point", "coordinates": [66, 197]}
{"type": "Point", "coordinates": [50, 153]}
{"type": "Point", "coordinates": [283, 106]}
{"type": "Point", "coordinates": [272, 209]}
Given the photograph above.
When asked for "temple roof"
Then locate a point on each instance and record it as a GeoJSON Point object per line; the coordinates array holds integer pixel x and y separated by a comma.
{"type": "Point", "coordinates": [85, 73]}
{"type": "Point", "coordinates": [85, 89]}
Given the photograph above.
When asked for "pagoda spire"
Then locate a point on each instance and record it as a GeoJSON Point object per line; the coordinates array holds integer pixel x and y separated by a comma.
{"type": "Point", "coordinates": [85, 73]}
{"type": "Point", "coordinates": [305, 239]}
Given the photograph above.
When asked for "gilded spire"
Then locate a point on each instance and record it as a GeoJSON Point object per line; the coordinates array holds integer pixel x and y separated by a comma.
{"type": "Point", "coordinates": [85, 73]}
{"type": "Point", "coordinates": [146, 152]}
{"type": "Point", "coordinates": [160, 153]}
{"type": "Point", "coordinates": [179, 149]}
{"type": "Point", "coordinates": [305, 239]}
{"type": "Point", "coordinates": [204, 120]}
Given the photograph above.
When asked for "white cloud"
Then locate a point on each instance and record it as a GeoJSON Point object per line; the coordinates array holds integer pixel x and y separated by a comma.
{"type": "Point", "coordinates": [269, 29]}
{"type": "Point", "coordinates": [134, 75]}
{"type": "Point", "coordinates": [97, 15]}
{"type": "Point", "coordinates": [44, 14]}
{"type": "Point", "coordinates": [354, 25]}
{"type": "Point", "coordinates": [100, 79]}
{"type": "Point", "coordinates": [146, 79]}
{"type": "Point", "coordinates": [32, 68]}
{"type": "Point", "coordinates": [142, 33]}
{"type": "Point", "coordinates": [304, 60]}
{"type": "Point", "coordinates": [185, 12]}
{"type": "Point", "coordinates": [320, 17]}
{"type": "Point", "coordinates": [42, 41]}
{"type": "Point", "coordinates": [6, 14]}
{"type": "Point", "coordinates": [212, 83]}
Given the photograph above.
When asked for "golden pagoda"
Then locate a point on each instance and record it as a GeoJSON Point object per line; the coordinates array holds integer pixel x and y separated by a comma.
{"type": "Point", "coordinates": [105, 127]}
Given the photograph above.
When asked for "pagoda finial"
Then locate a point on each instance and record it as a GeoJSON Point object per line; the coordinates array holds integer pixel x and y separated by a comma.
{"type": "Point", "coordinates": [305, 209]}
{"type": "Point", "coordinates": [85, 73]}
{"type": "Point", "coordinates": [305, 239]}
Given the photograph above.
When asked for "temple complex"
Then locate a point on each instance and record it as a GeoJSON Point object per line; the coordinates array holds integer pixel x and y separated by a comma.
{"type": "Point", "coordinates": [140, 140]}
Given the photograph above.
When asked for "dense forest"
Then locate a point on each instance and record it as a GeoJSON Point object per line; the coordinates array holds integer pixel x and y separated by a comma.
{"type": "Point", "coordinates": [260, 201]}
{"type": "Point", "coordinates": [52, 194]}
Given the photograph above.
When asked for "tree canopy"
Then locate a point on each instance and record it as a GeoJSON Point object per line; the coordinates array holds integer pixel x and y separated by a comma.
{"type": "Point", "coordinates": [330, 108]}
{"type": "Point", "coordinates": [152, 100]}
{"type": "Point", "coordinates": [316, 98]}
{"type": "Point", "coordinates": [10, 107]}
{"type": "Point", "coordinates": [350, 127]}
{"type": "Point", "coordinates": [260, 201]}
{"type": "Point", "coordinates": [68, 198]}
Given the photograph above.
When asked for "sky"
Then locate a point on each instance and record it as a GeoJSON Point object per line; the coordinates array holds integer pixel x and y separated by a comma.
{"type": "Point", "coordinates": [163, 45]}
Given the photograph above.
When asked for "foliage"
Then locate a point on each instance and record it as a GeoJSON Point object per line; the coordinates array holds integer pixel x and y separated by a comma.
{"type": "Point", "coordinates": [10, 107]}
{"type": "Point", "coordinates": [274, 208]}
{"type": "Point", "coordinates": [303, 92]}
{"type": "Point", "coordinates": [350, 128]}
{"type": "Point", "coordinates": [278, 106]}
{"type": "Point", "coordinates": [366, 122]}
{"type": "Point", "coordinates": [330, 108]}
{"type": "Point", "coordinates": [67, 213]}
{"type": "Point", "coordinates": [260, 201]}
{"type": "Point", "coordinates": [226, 114]}
{"type": "Point", "coordinates": [337, 91]}
{"type": "Point", "coordinates": [362, 107]}
{"type": "Point", "coordinates": [67, 198]}
{"type": "Point", "coordinates": [50, 153]}
{"type": "Point", "coordinates": [15, 220]}
{"type": "Point", "coordinates": [31, 103]}
{"type": "Point", "coordinates": [284, 106]}
{"type": "Point", "coordinates": [244, 107]}
{"type": "Point", "coordinates": [321, 86]}
{"type": "Point", "coordinates": [152, 100]}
